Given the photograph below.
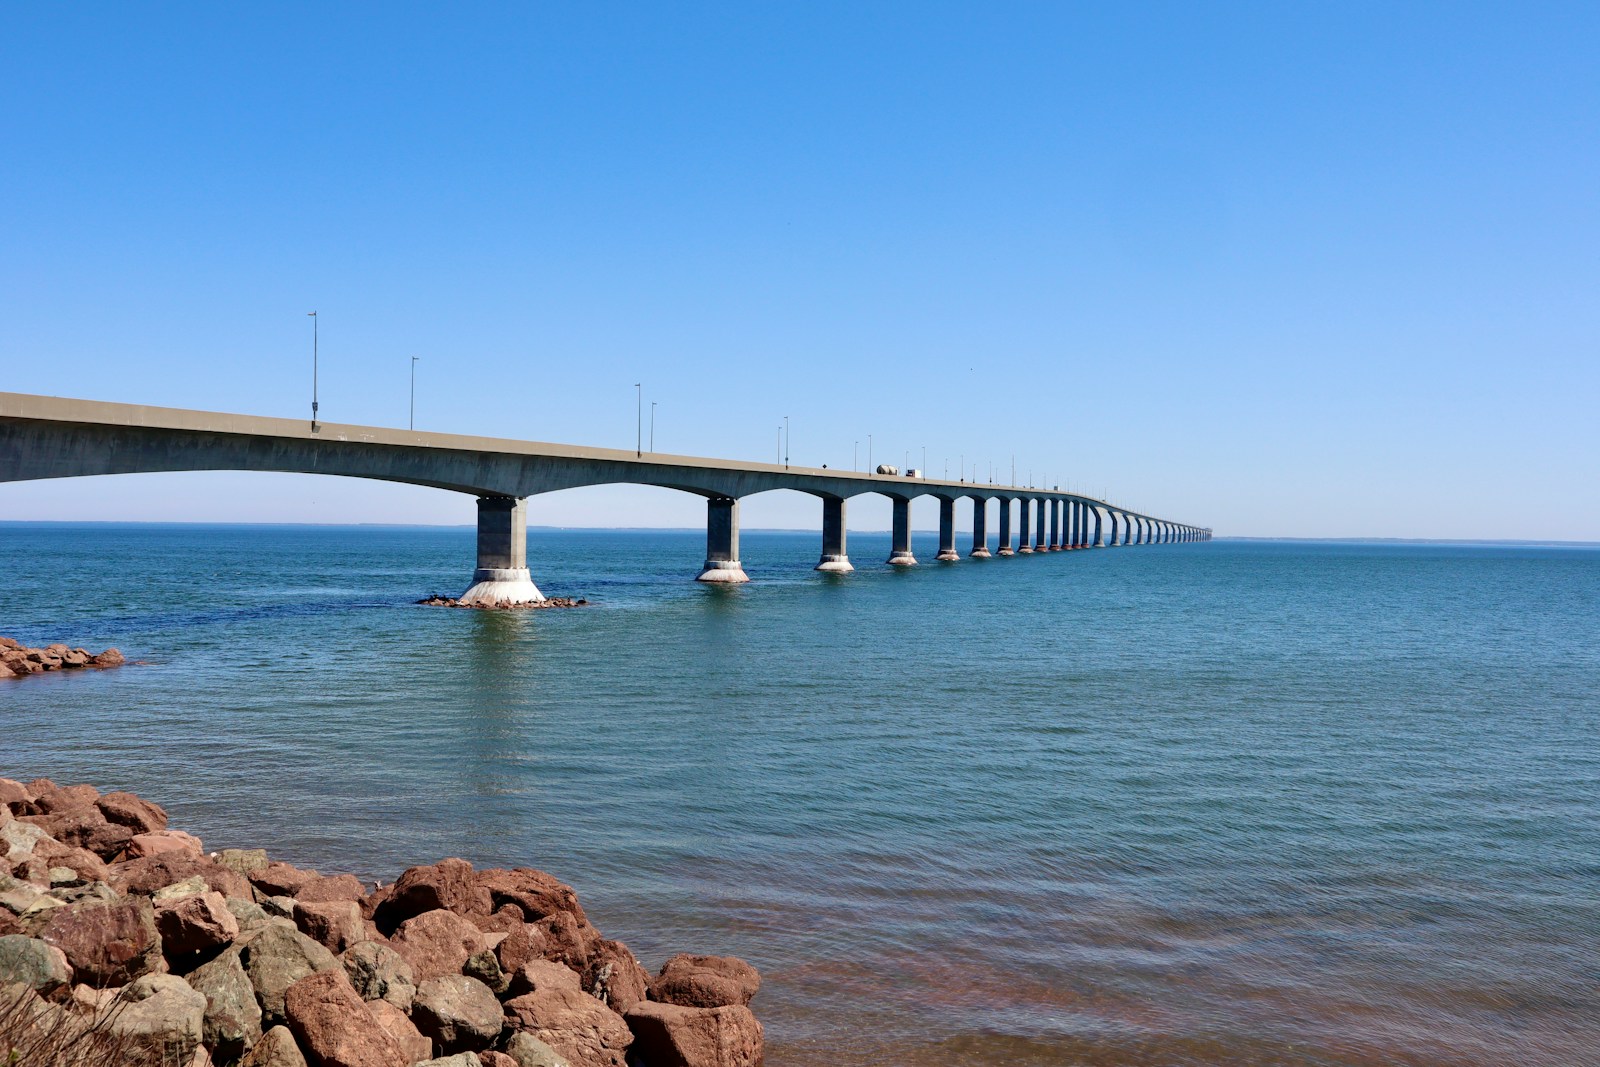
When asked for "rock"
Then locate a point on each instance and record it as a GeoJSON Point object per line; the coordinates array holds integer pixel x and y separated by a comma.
{"type": "Point", "coordinates": [244, 860]}
{"type": "Point", "coordinates": [178, 890]}
{"type": "Point", "coordinates": [276, 1048]}
{"type": "Point", "coordinates": [87, 866]}
{"type": "Point", "coordinates": [526, 1050]}
{"type": "Point", "coordinates": [615, 978]}
{"type": "Point", "coordinates": [447, 884]}
{"type": "Point", "coordinates": [66, 798]}
{"type": "Point", "coordinates": [109, 658]}
{"type": "Point", "coordinates": [76, 657]}
{"type": "Point", "coordinates": [378, 972]}
{"type": "Point", "coordinates": [437, 943]}
{"type": "Point", "coordinates": [568, 937]}
{"type": "Point", "coordinates": [14, 792]}
{"type": "Point", "coordinates": [107, 944]}
{"type": "Point", "coordinates": [136, 813]}
{"type": "Point", "coordinates": [6, 671]}
{"type": "Point", "coordinates": [248, 912]}
{"type": "Point", "coordinates": [195, 924]}
{"type": "Point", "coordinates": [543, 974]}
{"type": "Point", "coordinates": [277, 907]}
{"type": "Point", "coordinates": [669, 1035]}
{"type": "Point", "coordinates": [460, 1059]}
{"type": "Point", "coordinates": [162, 1014]}
{"type": "Point", "coordinates": [337, 887]}
{"type": "Point", "coordinates": [280, 879]}
{"type": "Point", "coordinates": [159, 841]}
{"type": "Point", "coordinates": [705, 982]}
{"type": "Point", "coordinates": [538, 894]}
{"type": "Point", "coordinates": [458, 1012]}
{"type": "Point", "coordinates": [333, 924]}
{"type": "Point", "coordinates": [492, 1058]}
{"type": "Point", "coordinates": [232, 1020]}
{"type": "Point", "coordinates": [412, 1041]}
{"type": "Point", "coordinates": [151, 873]}
{"type": "Point", "coordinates": [485, 967]}
{"type": "Point", "coordinates": [277, 958]}
{"type": "Point", "coordinates": [36, 964]}
{"type": "Point", "coordinates": [522, 943]}
{"type": "Point", "coordinates": [17, 896]}
{"type": "Point", "coordinates": [573, 1023]}
{"type": "Point", "coordinates": [85, 827]}
{"type": "Point", "coordinates": [334, 1027]}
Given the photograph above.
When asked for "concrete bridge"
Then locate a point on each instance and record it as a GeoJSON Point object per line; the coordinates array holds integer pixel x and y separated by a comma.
{"type": "Point", "coordinates": [53, 437]}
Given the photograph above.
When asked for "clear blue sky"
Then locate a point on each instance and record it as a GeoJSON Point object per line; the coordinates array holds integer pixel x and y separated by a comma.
{"type": "Point", "coordinates": [1278, 269]}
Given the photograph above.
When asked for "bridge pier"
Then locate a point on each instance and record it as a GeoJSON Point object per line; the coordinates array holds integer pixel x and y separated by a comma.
{"type": "Point", "coordinates": [1004, 548]}
{"type": "Point", "coordinates": [722, 542]}
{"type": "Point", "coordinates": [502, 576]}
{"type": "Point", "coordinates": [1095, 541]}
{"type": "Point", "coordinates": [947, 530]}
{"type": "Point", "coordinates": [1055, 525]}
{"type": "Point", "coordinates": [1025, 529]}
{"type": "Point", "coordinates": [900, 550]}
{"type": "Point", "coordinates": [834, 558]}
{"type": "Point", "coordinates": [1039, 544]}
{"type": "Point", "coordinates": [980, 528]}
{"type": "Point", "coordinates": [1069, 533]}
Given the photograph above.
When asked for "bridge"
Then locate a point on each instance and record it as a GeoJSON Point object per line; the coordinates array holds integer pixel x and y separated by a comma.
{"type": "Point", "coordinates": [55, 437]}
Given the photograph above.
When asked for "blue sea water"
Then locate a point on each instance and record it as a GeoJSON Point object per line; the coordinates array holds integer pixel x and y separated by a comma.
{"type": "Point", "coordinates": [1238, 802]}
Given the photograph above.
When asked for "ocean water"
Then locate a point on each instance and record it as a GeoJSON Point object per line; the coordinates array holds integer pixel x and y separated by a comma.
{"type": "Point", "coordinates": [1231, 803]}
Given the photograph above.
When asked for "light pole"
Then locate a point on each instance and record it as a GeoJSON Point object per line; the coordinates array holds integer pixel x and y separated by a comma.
{"type": "Point", "coordinates": [652, 426]}
{"type": "Point", "coordinates": [638, 419]}
{"type": "Point", "coordinates": [414, 391]}
{"type": "Point", "coordinates": [963, 467]}
{"type": "Point", "coordinates": [313, 316]}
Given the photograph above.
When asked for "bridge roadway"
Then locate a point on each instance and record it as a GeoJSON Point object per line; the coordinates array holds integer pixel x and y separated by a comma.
{"type": "Point", "coordinates": [55, 437]}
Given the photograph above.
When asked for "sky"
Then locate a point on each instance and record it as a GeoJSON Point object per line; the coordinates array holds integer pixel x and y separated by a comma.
{"type": "Point", "coordinates": [1275, 269]}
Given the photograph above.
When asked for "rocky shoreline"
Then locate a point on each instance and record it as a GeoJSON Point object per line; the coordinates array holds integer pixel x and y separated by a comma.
{"type": "Point", "coordinates": [122, 940]}
{"type": "Point", "coordinates": [440, 601]}
{"type": "Point", "coordinates": [19, 661]}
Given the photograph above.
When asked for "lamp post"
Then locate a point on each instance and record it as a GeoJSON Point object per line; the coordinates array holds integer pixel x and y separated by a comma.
{"type": "Point", "coordinates": [313, 316]}
{"type": "Point", "coordinates": [414, 391]}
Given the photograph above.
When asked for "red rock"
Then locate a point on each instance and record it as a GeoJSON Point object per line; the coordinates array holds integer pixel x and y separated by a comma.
{"type": "Point", "coordinates": [334, 1027]}
{"type": "Point", "coordinates": [333, 924]}
{"type": "Point", "coordinates": [151, 873]}
{"type": "Point", "coordinates": [89, 867]}
{"type": "Point", "coordinates": [136, 813]}
{"type": "Point", "coordinates": [461, 1014]}
{"type": "Point", "coordinates": [705, 981]}
{"type": "Point", "coordinates": [41, 785]}
{"type": "Point", "coordinates": [67, 798]}
{"type": "Point", "coordinates": [374, 900]}
{"type": "Point", "coordinates": [615, 978]}
{"type": "Point", "coordinates": [9, 642]}
{"type": "Point", "coordinates": [568, 938]}
{"type": "Point", "coordinates": [334, 887]}
{"type": "Point", "coordinates": [193, 924]}
{"type": "Point", "coordinates": [109, 658]}
{"type": "Point", "coordinates": [412, 1042]}
{"type": "Point", "coordinates": [437, 943]}
{"type": "Point", "coordinates": [576, 1025]}
{"type": "Point", "coordinates": [496, 1059]}
{"type": "Point", "coordinates": [74, 658]}
{"type": "Point", "coordinates": [538, 894]}
{"type": "Point", "coordinates": [84, 828]}
{"type": "Point", "coordinates": [669, 1035]}
{"type": "Point", "coordinates": [158, 842]}
{"type": "Point", "coordinates": [5, 671]}
{"type": "Point", "coordinates": [107, 944]}
{"type": "Point", "coordinates": [522, 943]}
{"type": "Point", "coordinates": [447, 884]}
{"type": "Point", "coordinates": [280, 879]}
{"type": "Point", "coordinates": [18, 662]}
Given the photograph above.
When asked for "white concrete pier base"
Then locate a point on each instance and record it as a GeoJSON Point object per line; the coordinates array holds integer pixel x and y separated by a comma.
{"type": "Point", "coordinates": [722, 543]}
{"type": "Point", "coordinates": [900, 547]}
{"type": "Point", "coordinates": [502, 576]}
{"type": "Point", "coordinates": [836, 565]}
{"type": "Point", "coordinates": [501, 585]}
{"type": "Point", "coordinates": [834, 559]}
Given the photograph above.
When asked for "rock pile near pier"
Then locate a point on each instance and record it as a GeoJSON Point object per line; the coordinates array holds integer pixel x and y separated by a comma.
{"type": "Point", "coordinates": [18, 661]}
{"type": "Point", "coordinates": [117, 930]}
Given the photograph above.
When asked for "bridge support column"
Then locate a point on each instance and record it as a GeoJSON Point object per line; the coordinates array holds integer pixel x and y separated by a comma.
{"type": "Point", "coordinates": [1080, 524]}
{"type": "Point", "coordinates": [1055, 525]}
{"type": "Point", "coordinates": [502, 576]}
{"type": "Point", "coordinates": [1025, 530]}
{"type": "Point", "coordinates": [1095, 541]}
{"type": "Point", "coordinates": [834, 558]}
{"type": "Point", "coordinates": [1039, 544]}
{"type": "Point", "coordinates": [900, 550]}
{"type": "Point", "coordinates": [1069, 538]}
{"type": "Point", "coordinates": [1004, 547]}
{"type": "Point", "coordinates": [947, 530]}
{"type": "Point", "coordinates": [980, 528]}
{"type": "Point", "coordinates": [722, 542]}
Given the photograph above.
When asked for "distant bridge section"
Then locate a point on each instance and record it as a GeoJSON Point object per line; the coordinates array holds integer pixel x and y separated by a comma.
{"type": "Point", "coordinates": [53, 437]}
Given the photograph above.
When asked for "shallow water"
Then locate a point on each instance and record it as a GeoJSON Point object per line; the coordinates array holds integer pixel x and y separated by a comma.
{"type": "Point", "coordinates": [1245, 803]}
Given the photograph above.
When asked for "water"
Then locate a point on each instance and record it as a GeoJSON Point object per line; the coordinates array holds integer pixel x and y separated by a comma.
{"type": "Point", "coordinates": [1244, 803]}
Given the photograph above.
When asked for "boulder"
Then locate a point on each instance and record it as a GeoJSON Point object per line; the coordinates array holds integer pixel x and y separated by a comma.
{"type": "Point", "coordinates": [75, 658]}
{"type": "Point", "coordinates": [109, 658]}
{"type": "Point", "coordinates": [337, 887]}
{"type": "Point", "coordinates": [232, 1020]}
{"type": "Point", "coordinates": [705, 981]}
{"type": "Point", "coordinates": [437, 943]}
{"type": "Point", "coordinates": [157, 842]}
{"type": "Point", "coordinates": [160, 1013]}
{"type": "Point", "coordinates": [457, 1012]}
{"type": "Point", "coordinates": [492, 1058]}
{"type": "Point", "coordinates": [244, 860]}
{"type": "Point", "coordinates": [136, 813]}
{"type": "Point", "coordinates": [460, 1059]}
{"type": "Point", "coordinates": [14, 792]}
{"type": "Point", "coordinates": [151, 873]}
{"type": "Point", "coordinates": [107, 944]}
{"type": "Point", "coordinates": [378, 972]}
{"type": "Point", "coordinates": [485, 967]}
{"type": "Point", "coordinates": [36, 964]}
{"type": "Point", "coordinates": [543, 974]}
{"type": "Point", "coordinates": [277, 958]}
{"type": "Point", "coordinates": [574, 1024]}
{"type": "Point", "coordinates": [521, 944]}
{"type": "Point", "coordinates": [412, 1041]}
{"type": "Point", "coordinates": [85, 864]}
{"type": "Point", "coordinates": [85, 827]}
{"type": "Point", "coordinates": [333, 924]}
{"type": "Point", "coordinates": [614, 977]}
{"type": "Point", "coordinates": [66, 798]}
{"type": "Point", "coordinates": [277, 1048]}
{"type": "Point", "coordinates": [16, 895]}
{"type": "Point", "coordinates": [280, 879]}
{"type": "Point", "coordinates": [334, 1027]}
{"type": "Point", "coordinates": [670, 1035]}
{"type": "Point", "coordinates": [526, 1050]}
{"type": "Point", "coordinates": [196, 924]}
{"type": "Point", "coordinates": [447, 884]}
{"type": "Point", "coordinates": [568, 937]}
{"type": "Point", "coordinates": [538, 894]}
